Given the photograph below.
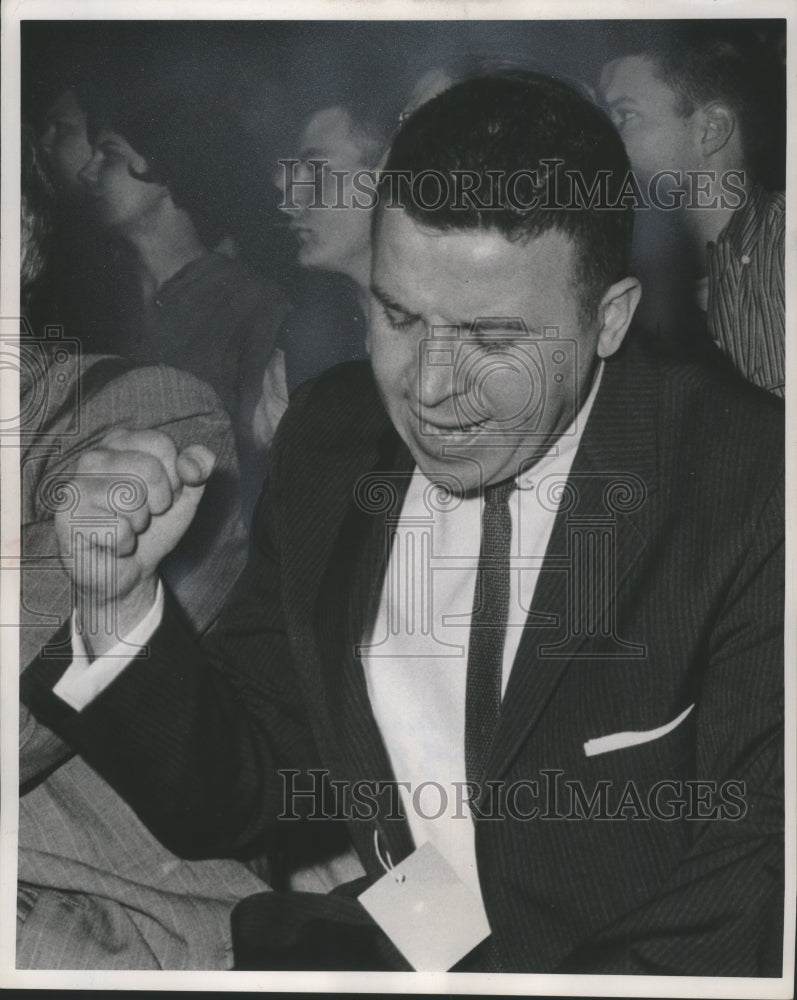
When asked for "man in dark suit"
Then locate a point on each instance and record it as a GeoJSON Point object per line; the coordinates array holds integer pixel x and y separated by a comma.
{"type": "Point", "coordinates": [514, 559]}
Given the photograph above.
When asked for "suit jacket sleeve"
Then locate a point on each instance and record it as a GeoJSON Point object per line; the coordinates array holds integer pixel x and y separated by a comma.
{"type": "Point", "coordinates": [720, 911]}
{"type": "Point", "coordinates": [192, 736]}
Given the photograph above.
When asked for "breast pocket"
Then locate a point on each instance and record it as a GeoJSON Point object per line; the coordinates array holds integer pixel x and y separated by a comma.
{"type": "Point", "coordinates": [630, 738]}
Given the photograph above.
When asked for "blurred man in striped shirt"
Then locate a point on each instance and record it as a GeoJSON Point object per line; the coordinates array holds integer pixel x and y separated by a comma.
{"type": "Point", "coordinates": [701, 118]}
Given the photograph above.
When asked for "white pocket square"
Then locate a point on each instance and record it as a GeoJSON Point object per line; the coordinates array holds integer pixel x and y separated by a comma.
{"type": "Point", "coordinates": [617, 741]}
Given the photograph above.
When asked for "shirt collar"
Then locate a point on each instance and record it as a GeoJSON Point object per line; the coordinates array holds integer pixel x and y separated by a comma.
{"type": "Point", "coordinates": [741, 232]}
{"type": "Point", "coordinates": [560, 455]}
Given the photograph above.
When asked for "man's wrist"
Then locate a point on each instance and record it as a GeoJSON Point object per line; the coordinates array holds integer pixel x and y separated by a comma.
{"type": "Point", "coordinates": [90, 673]}
{"type": "Point", "coordinates": [103, 624]}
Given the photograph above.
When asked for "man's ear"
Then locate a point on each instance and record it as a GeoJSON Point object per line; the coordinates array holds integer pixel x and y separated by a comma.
{"type": "Point", "coordinates": [615, 312]}
{"type": "Point", "coordinates": [717, 123]}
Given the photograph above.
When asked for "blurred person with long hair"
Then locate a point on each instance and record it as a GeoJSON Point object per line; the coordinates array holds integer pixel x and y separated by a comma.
{"type": "Point", "coordinates": [160, 179]}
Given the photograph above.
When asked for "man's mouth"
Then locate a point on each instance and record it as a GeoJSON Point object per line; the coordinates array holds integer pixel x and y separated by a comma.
{"type": "Point", "coordinates": [446, 427]}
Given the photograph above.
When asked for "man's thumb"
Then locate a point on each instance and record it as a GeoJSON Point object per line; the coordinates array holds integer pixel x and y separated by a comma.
{"type": "Point", "coordinates": [195, 464]}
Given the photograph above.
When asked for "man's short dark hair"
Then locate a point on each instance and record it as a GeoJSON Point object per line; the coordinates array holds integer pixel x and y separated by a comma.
{"type": "Point", "coordinates": [735, 65]}
{"type": "Point", "coordinates": [514, 122]}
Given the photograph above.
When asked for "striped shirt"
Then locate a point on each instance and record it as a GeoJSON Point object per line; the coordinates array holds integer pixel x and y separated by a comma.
{"type": "Point", "coordinates": [746, 296]}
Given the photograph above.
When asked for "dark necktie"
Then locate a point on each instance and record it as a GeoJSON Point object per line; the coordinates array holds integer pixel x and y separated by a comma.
{"type": "Point", "coordinates": [488, 630]}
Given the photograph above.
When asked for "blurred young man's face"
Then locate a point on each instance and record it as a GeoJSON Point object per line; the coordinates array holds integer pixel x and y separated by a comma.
{"type": "Point", "coordinates": [332, 238]}
{"type": "Point", "coordinates": [65, 141]}
{"type": "Point", "coordinates": [119, 200]}
{"type": "Point", "coordinates": [644, 110]}
{"type": "Point", "coordinates": [474, 400]}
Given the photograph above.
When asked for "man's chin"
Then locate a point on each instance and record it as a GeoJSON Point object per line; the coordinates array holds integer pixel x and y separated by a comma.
{"type": "Point", "coordinates": [460, 474]}
{"type": "Point", "coordinates": [308, 257]}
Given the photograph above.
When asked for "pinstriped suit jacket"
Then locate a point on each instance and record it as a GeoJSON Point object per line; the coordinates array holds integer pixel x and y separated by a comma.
{"type": "Point", "coordinates": [679, 477]}
{"type": "Point", "coordinates": [96, 889]}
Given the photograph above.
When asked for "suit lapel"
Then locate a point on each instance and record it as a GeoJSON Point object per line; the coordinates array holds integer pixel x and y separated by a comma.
{"type": "Point", "coordinates": [599, 534]}
{"type": "Point", "coordinates": [607, 503]}
{"type": "Point", "coordinates": [347, 605]}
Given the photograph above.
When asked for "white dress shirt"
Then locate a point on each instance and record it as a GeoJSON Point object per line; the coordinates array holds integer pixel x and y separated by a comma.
{"type": "Point", "coordinates": [415, 661]}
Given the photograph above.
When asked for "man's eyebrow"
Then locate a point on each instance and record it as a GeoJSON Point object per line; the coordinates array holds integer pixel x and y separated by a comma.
{"type": "Point", "coordinates": [490, 324]}
{"type": "Point", "coordinates": [484, 324]}
{"type": "Point", "coordinates": [626, 99]}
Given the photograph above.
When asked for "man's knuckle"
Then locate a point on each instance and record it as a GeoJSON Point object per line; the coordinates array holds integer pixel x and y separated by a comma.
{"type": "Point", "coordinates": [93, 460]}
{"type": "Point", "coordinates": [116, 435]}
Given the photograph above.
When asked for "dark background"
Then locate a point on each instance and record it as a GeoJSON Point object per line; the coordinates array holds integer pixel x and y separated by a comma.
{"type": "Point", "coordinates": [270, 75]}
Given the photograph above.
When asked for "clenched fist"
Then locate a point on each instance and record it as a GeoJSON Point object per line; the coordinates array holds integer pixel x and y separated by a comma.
{"type": "Point", "coordinates": [135, 497]}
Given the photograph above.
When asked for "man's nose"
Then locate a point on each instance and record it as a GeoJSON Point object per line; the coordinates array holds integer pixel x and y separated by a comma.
{"type": "Point", "coordinates": [435, 377]}
{"type": "Point", "coordinates": [294, 181]}
{"type": "Point", "coordinates": [88, 172]}
{"type": "Point", "coordinates": [47, 141]}
{"type": "Point", "coordinates": [278, 180]}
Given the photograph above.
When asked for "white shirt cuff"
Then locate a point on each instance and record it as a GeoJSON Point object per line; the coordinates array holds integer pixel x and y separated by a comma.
{"type": "Point", "coordinates": [84, 678]}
